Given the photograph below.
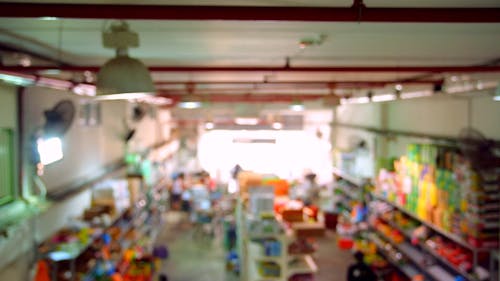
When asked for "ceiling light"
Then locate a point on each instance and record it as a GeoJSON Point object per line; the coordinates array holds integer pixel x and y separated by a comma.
{"type": "Point", "coordinates": [383, 98]}
{"type": "Point", "coordinates": [297, 106]}
{"type": "Point", "coordinates": [48, 18]}
{"type": "Point", "coordinates": [479, 85]}
{"type": "Point", "coordinates": [277, 126]}
{"type": "Point", "coordinates": [355, 100]}
{"type": "Point", "coordinates": [190, 102]}
{"type": "Point", "coordinates": [496, 97]}
{"type": "Point", "coordinates": [419, 94]}
{"type": "Point", "coordinates": [249, 121]}
{"type": "Point", "coordinates": [17, 79]}
{"type": "Point", "coordinates": [209, 125]}
{"type": "Point", "coordinates": [123, 77]}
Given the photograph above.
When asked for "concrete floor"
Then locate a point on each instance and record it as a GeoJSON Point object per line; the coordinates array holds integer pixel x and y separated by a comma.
{"type": "Point", "coordinates": [194, 260]}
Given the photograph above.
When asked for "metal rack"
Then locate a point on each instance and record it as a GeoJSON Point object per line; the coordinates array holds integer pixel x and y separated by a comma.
{"type": "Point", "coordinates": [453, 237]}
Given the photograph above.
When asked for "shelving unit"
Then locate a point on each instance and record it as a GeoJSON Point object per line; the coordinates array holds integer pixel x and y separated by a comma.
{"type": "Point", "coordinates": [407, 269]}
{"type": "Point", "coordinates": [348, 177]}
{"type": "Point", "coordinates": [413, 251]}
{"type": "Point", "coordinates": [444, 233]}
{"type": "Point", "coordinates": [433, 253]}
{"type": "Point", "coordinates": [440, 268]}
{"type": "Point", "coordinates": [419, 260]}
{"type": "Point", "coordinates": [251, 251]}
{"type": "Point", "coordinates": [143, 217]}
{"type": "Point", "coordinates": [290, 264]}
{"type": "Point", "coordinates": [350, 188]}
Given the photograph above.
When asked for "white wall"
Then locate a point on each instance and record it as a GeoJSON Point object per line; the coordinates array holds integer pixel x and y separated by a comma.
{"type": "Point", "coordinates": [86, 148]}
{"type": "Point", "coordinates": [440, 115]}
{"type": "Point", "coordinates": [486, 117]}
{"type": "Point", "coordinates": [8, 109]}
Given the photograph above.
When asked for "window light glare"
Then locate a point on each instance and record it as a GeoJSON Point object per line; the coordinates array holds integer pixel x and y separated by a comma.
{"type": "Point", "coordinates": [50, 150]}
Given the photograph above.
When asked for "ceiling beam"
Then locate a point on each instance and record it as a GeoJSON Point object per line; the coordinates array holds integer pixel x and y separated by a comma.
{"type": "Point", "coordinates": [250, 98]}
{"type": "Point", "coordinates": [387, 69]}
{"type": "Point", "coordinates": [247, 13]}
{"type": "Point", "coordinates": [318, 83]}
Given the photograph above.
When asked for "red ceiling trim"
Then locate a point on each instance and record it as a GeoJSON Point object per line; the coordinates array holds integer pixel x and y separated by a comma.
{"type": "Point", "coordinates": [328, 83]}
{"type": "Point", "coordinates": [250, 98]}
{"type": "Point", "coordinates": [245, 13]}
{"type": "Point", "coordinates": [415, 69]}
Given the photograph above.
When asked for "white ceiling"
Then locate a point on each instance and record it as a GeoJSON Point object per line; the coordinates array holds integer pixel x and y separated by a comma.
{"type": "Point", "coordinates": [266, 43]}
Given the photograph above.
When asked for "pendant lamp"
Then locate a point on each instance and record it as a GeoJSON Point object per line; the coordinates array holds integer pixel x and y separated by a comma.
{"type": "Point", "coordinates": [123, 77]}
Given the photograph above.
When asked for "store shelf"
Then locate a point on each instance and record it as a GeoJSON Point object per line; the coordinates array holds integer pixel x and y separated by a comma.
{"type": "Point", "coordinates": [256, 236]}
{"type": "Point", "coordinates": [350, 194]}
{"type": "Point", "coordinates": [409, 270]}
{"type": "Point", "coordinates": [432, 252]}
{"type": "Point", "coordinates": [419, 259]}
{"type": "Point", "coordinates": [447, 263]}
{"type": "Point", "coordinates": [65, 255]}
{"type": "Point", "coordinates": [435, 228]}
{"type": "Point", "coordinates": [438, 273]}
{"type": "Point", "coordinates": [350, 178]}
{"type": "Point", "coordinates": [305, 264]}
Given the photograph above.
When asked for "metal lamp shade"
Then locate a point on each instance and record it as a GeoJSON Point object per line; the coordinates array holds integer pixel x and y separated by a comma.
{"type": "Point", "coordinates": [124, 75]}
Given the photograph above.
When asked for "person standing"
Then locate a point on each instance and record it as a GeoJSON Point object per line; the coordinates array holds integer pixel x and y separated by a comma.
{"type": "Point", "coordinates": [360, 271]}
{"type": "Point", "coordinates": [176, 192]}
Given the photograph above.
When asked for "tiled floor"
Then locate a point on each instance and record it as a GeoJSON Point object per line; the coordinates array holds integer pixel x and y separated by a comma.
{"type": "Point", "coordinates": [195, 260]}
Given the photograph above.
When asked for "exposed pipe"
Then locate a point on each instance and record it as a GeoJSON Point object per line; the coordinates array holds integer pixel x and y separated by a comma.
{"type": "Point", "coordinates": [23, 44]}
{"type": "Point", "coordinates": [415, 69]}
{"type": "Point", "coordinates": [31, 54]}
{"type": "Point", "coordinates": [247, 13]}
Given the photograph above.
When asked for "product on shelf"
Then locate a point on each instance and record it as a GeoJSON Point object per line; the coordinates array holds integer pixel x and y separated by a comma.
{"type": "Point", "coordinates": [268, 269]}
{"type": "Point", "coordinates": [440, 187]}
{"type": "Point", "coordinates": [460, 257]}
{"type": "Point", "coordinates": [272, 248]}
